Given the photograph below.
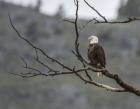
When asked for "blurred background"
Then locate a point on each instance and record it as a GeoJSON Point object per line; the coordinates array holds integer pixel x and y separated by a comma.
{"type": "Point", "coordinates": [42, 22]}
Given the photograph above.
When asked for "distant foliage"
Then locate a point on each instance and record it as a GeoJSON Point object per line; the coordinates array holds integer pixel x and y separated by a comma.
{"type": "Point", "coordinates": [60, 12]}
{"type": "Point", "coordinates": [131, 8]}
{"type": "Point", "coordinates": [138, 49]}
{"type": "Point", "coordinates": [32, 31]}
{"type": "Point", "coordinates": [38, 5]}
{"type": "Point", "coordinates": [2, 4]}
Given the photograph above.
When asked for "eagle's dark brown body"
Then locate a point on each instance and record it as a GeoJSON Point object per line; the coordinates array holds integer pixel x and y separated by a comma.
{"type": "Point", "coordinates": [96, 56]}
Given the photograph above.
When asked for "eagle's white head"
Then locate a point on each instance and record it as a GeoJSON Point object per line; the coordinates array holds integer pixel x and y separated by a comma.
{"type": "Point", "coordinates": [93, 39]}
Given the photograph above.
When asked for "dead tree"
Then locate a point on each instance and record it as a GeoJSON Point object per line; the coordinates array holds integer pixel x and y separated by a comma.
{"type": "Point", "coordinates": [66, 70]}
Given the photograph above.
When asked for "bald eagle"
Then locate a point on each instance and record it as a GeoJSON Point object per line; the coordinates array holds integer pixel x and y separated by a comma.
{"type": "Point", "coordinates": [96, 54]}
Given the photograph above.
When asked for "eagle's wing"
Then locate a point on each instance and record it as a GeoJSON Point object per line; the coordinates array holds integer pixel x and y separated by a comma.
{"type": "Point", "coordinates": [96, 55]}
{"type": "Point", "coordinates": [99, 54]}
{"type": "Point", "coordinates": [91, 55]}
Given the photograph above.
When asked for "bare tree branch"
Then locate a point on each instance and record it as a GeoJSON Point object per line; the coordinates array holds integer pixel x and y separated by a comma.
{"type": "Point", "coordinates": [77, 53]}
{"type": "Point", "coordinates": [37, 48]}
{"type": "Point", "coordinates": [66, 20]}
{"type": "Point", "coordinates": [39, 73]}
{"type": "Point", "coordinates": [128, 20]}
{"type": "Point", "coordinates": [66, 70]}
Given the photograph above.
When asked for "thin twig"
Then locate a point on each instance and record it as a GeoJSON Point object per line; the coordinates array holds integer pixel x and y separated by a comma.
{"type": "Point", "coordinates": [128, 20]}
{"type": "Point", "coordinates": [96, 11]}
{"type": "Point", "coordinates": [66, 20]}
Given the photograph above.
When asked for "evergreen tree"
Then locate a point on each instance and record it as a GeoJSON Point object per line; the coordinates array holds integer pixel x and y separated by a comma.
{"type": "Point", "coordinates": [60, 12]}
{"type": "Point", "coordinates": [38, 5]}
{"type": "Point", "coordinates": [131, 8]}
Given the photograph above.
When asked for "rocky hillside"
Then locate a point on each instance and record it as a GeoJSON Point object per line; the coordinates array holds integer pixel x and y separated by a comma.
{"type": "Point", "coordinates": [56, 37]}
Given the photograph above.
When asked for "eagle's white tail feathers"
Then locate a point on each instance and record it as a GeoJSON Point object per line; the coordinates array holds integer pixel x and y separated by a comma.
{"type": "Point", "coordinates": [99, 74]}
